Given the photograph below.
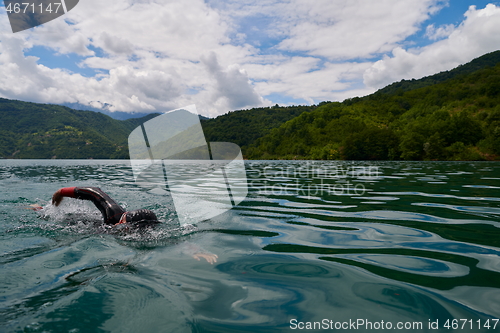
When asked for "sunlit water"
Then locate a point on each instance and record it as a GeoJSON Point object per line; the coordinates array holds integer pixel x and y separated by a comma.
{"type": "Point", "coordinates": [314, 243]}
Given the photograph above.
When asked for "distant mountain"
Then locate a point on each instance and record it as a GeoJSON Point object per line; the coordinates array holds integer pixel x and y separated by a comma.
{"type": "Point", "coordinates": [31, 130]}
{"type": "Point", "coordinates": [119, 115]}
{"type": "Point", "coordinates": [453, 115]}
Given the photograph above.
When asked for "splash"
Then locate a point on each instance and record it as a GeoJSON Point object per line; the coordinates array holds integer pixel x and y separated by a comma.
{"type": "Point", "coordinates": [78, 217]}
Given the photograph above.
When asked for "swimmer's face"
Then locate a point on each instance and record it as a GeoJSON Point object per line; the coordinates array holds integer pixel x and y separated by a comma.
{"type": "Point", "coordinates": [140, 217]}
{"type": "Point", "coordinates": [123, 219]}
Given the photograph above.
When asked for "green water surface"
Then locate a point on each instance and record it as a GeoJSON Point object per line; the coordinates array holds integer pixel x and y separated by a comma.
{"type": "Point", "coordinates": [330, 246]}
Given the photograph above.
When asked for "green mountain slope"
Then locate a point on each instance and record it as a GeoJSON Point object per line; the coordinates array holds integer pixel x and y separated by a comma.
{"type": "Point", "coordinates": [31, 130]}
{"type": "Point", "coordinates": [487, 60]}
{"type": "Point", "coordinates": [452, 115]}
{"type": "Point", "coordinates": [246, 126]}
{"type": "Point", "coordinates": [456, 119]}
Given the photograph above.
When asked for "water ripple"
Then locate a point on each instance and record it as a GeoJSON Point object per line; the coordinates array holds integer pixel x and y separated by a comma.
{"type": "Point", "coordinates": [421, 242]}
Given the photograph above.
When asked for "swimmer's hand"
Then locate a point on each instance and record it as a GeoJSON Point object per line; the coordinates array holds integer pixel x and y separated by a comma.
{"type": "Point", "coordinates": [209, 257]}
{"type": "Point", "coordinates": [57, 198]}
{"type": "Point", "coordinates": [35, 207]}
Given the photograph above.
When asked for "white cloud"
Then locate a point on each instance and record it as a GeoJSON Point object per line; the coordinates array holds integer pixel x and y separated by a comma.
{"type": "Point", "coordinates": [151, 50]}
{"type": "Point", "coordinates": [307, 78]}
{"type": "Point", "coordinates": [321, 33]}
{"type": "Point", "coordinates": [475, 36]}
{"type": "Point", "coordinates": [59, 36]}
{"type": "Point", "coordinates": [164, 54]}
{"type": "Point", "coordinates": [115, 44]}
{"type": "Point", "coordinates": [353, 29]}
{"type": "Point", "coordinates": [232, 86]}
{"type": "Point", "coordinates": [176, 29]}
{"type": "Point", "coordinates": [441, 32]}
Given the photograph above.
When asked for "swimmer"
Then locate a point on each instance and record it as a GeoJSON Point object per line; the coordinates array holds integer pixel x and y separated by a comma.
{"type": "Point", "coordinates": [114, 215]}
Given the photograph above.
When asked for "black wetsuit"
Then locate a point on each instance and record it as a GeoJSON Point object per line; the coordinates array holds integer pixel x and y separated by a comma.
{"type": "Point", "coordinates": [111, 211]}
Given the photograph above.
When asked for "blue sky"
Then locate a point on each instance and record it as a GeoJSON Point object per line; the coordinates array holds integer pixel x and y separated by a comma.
{"type": "Point", "coordinates": [158, 55]}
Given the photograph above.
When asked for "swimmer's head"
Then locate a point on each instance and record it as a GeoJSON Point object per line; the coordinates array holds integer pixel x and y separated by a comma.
{"type": "Point", "coordinates": [140, 218]}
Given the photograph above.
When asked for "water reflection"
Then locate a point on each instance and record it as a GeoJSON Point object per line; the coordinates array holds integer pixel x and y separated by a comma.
{"type": "Point", "coordinates": [420, 243]}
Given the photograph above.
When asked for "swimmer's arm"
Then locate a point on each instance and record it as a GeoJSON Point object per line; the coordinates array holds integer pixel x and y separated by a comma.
{"type": "Point", "coordinates": [35, 207]}
{"type": "Point", "coordinates": [61, 193]}
{"type": "Point", "coordinates": [209, 257]}
{"type": "Point", "coordinates": [197, 252]}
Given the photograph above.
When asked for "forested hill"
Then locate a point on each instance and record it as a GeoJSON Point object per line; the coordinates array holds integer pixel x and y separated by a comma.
{"type": "Point", "coordinates": [452, 115]}
{"type": "Point", "coordinates": [456, 118]}
{"type": "Point", "coordinates": [487, 60]}
{"type": "Point", "coordinates": [31, 130]}
{"type": "Point", "coordinates": [246, 126]}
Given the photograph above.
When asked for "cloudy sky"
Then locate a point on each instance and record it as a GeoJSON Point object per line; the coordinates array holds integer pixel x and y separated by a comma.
{"type": "Point", "coordinates": [222, 55]}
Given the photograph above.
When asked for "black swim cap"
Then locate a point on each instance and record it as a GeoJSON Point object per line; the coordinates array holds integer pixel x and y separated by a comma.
{"type": "Point", "coordinates": [141, 217]}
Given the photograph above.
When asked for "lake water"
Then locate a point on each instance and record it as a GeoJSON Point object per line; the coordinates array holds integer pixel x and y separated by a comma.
{"type": "Point", "coordinates": [329, 246]}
